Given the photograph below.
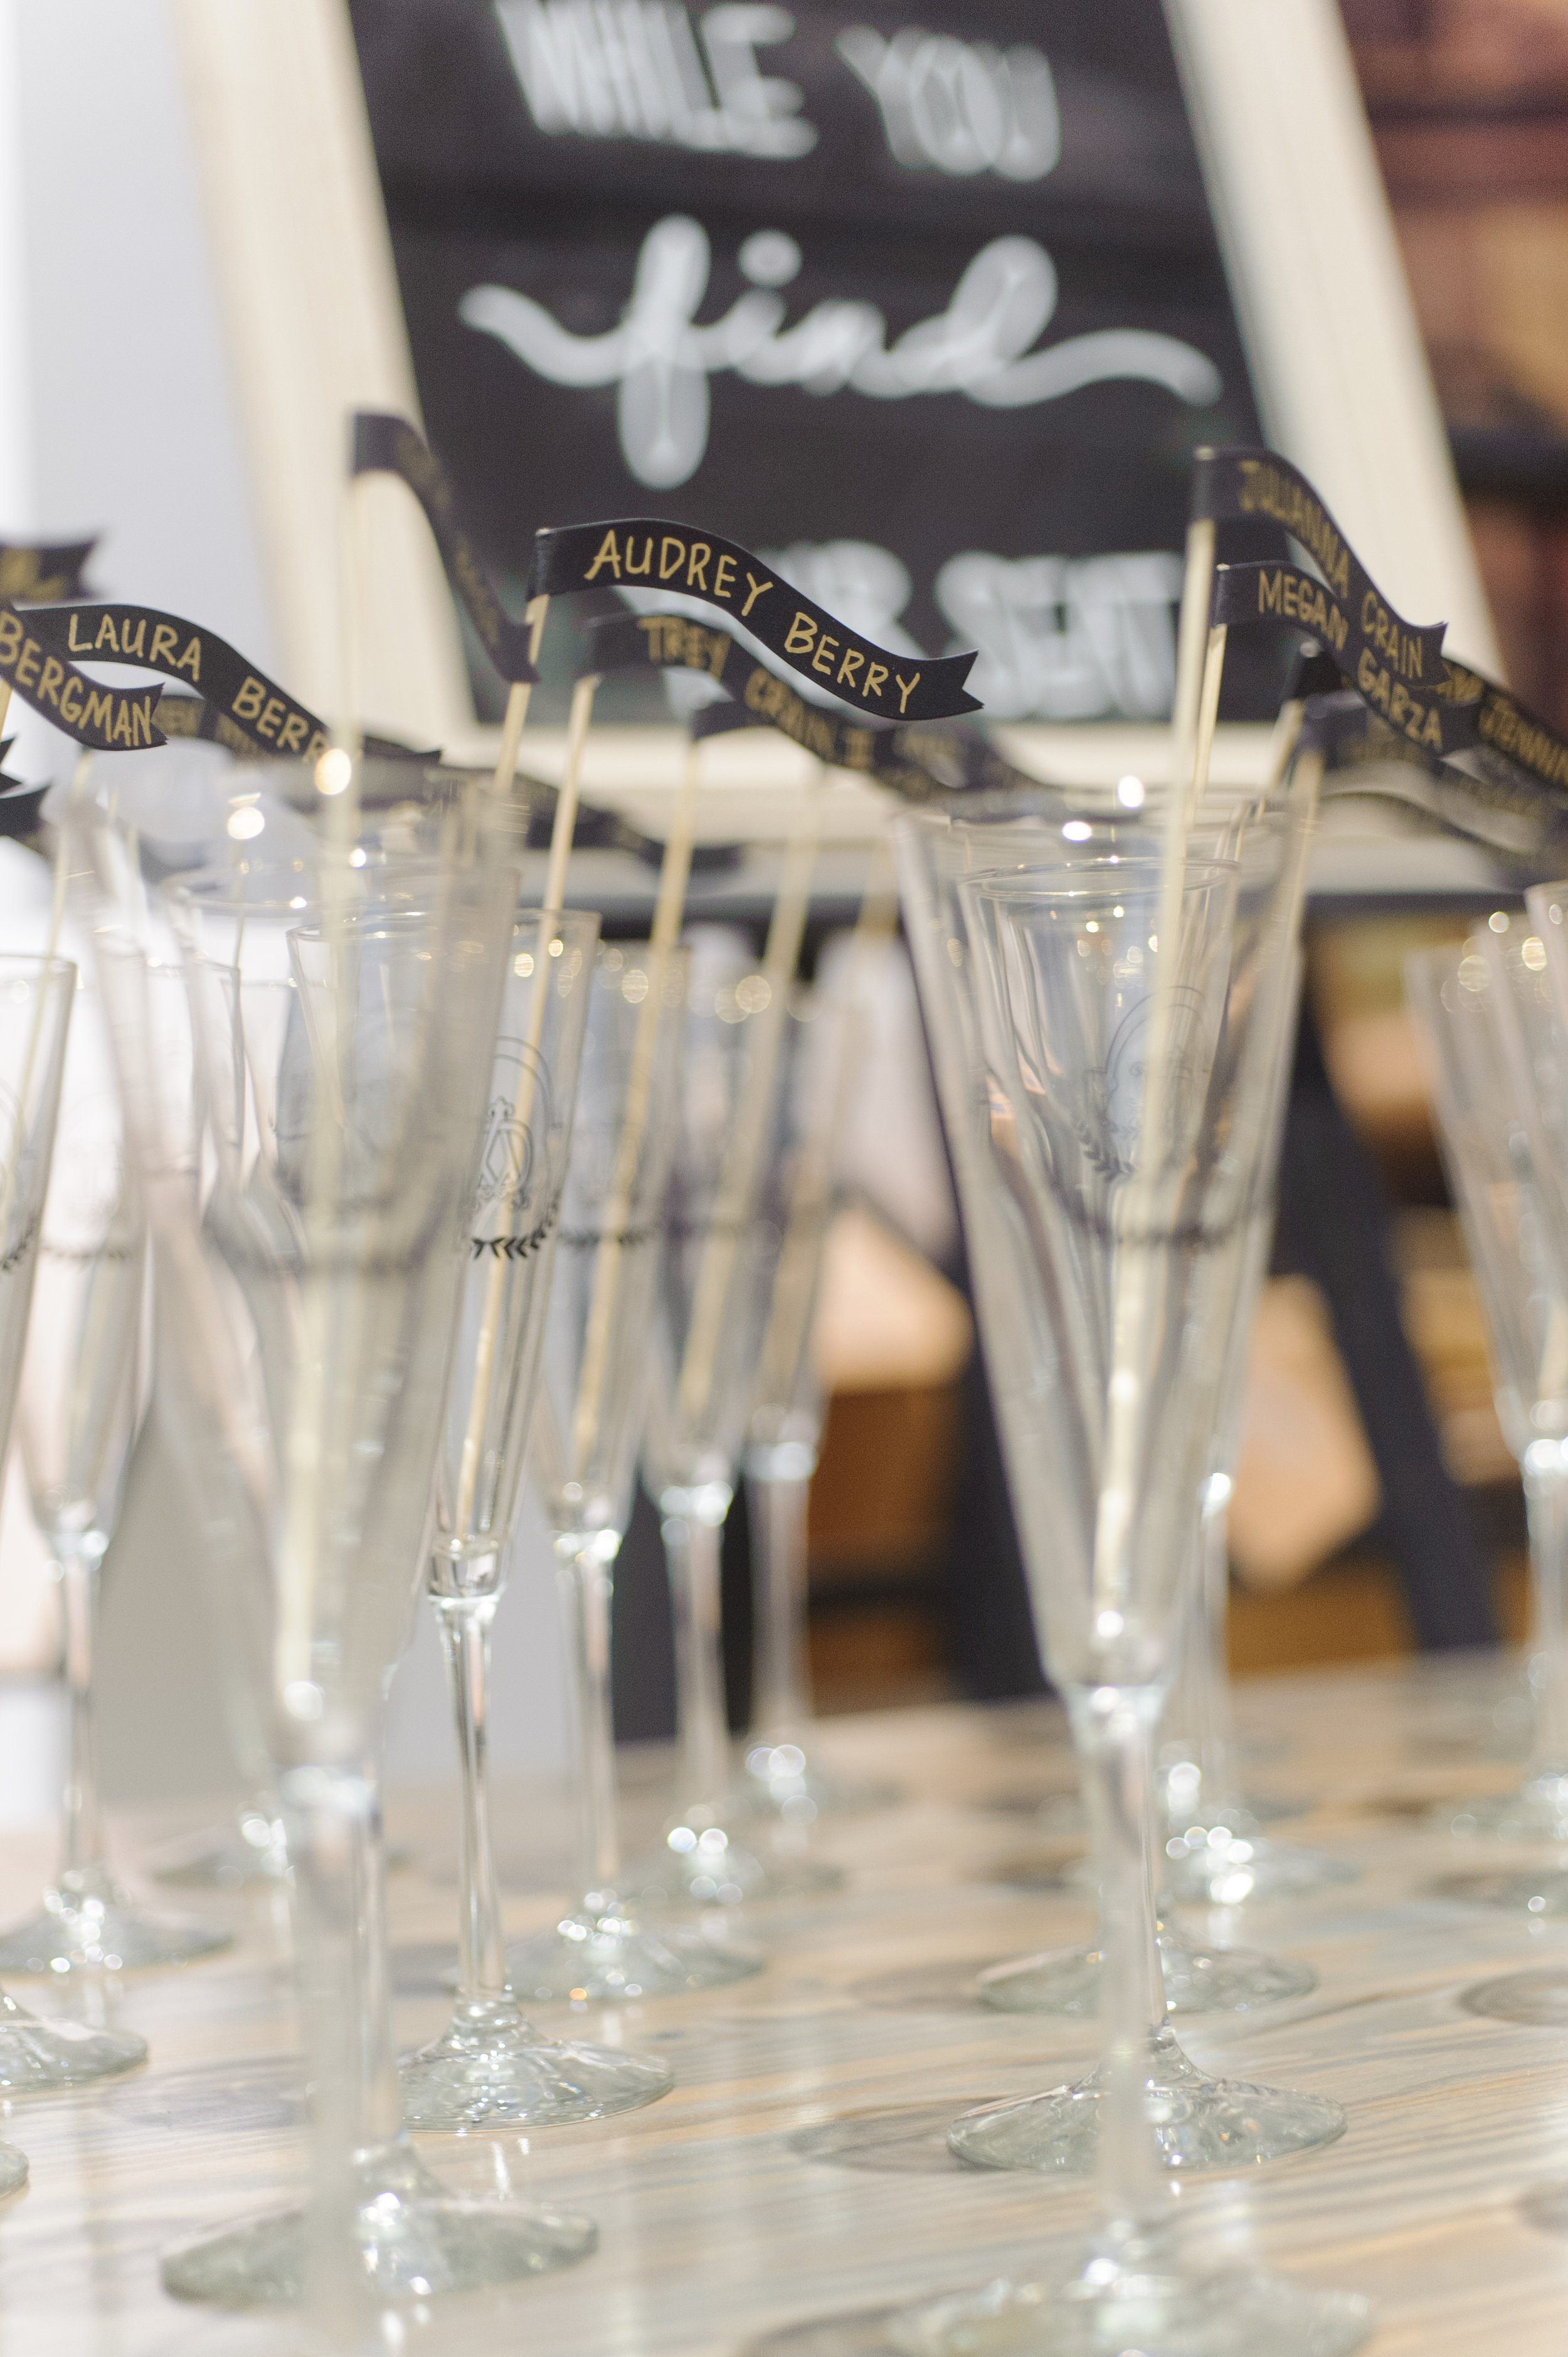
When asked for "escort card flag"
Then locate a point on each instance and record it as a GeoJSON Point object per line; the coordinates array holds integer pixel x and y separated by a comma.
{"type": "Point", "coordinates": [43, 573]}
{"type": "Point", "coordinates": [219, 694]}
{"type": "Point", "coordinates": [263, 716]}
{"type": "Point", "coordinates": [384, 444]}
{"type": "Point", "coordinates": [635, 552]}
{"type": "Point", "coordinates": [109, 719]}
{"type": "Point", "coordinates": [916, 762]}
{"type": "Point", "coordinates": [1397, 667]}
{"type": "Point", "coordinates": [20, 805]}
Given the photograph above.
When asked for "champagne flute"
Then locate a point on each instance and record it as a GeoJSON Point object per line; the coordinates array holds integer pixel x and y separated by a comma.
{"type": "Point", "coordinates": [1498, 1060]}
{"type": "Point", "coordinates": [784, 1431]}
{"type": "Point", "coordinates": [739, 1044]}
{"type": "Point", "coordinates": [86, 1381]}
{"type": "Point", "coordinates": [37, 998]}
{"type": "Point", "coordinates": [490, 2065]}
{"type": "Point", "coordinates": [592, 1397]}
{"type": "Point", "coordinates": [1103, 1081]}
{"type": "Point", "coordinates": [310, 1197]}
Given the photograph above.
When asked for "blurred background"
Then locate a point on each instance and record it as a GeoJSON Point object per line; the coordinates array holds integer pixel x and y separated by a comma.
{"type": "Point", "coordinates": [524, 180]}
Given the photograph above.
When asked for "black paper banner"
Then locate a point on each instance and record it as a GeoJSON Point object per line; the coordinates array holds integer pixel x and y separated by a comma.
{"type": "Point", "coordinates": [1257, 487]}
{"type": "Point", "coordinates": [754, 698]}
{"type": "Point", "coordinates": [387, 444]}
{"type": "Point", "coordinates": [637, 550]}
{"type": "Point", "coordinates": [111, 719]}
{"type": "Point", "coordinates": [1499, 725]}
{"type": "Point", "coordinates": [262, 717]}
{"type": "Point", "coordinates": [761, 699]}
{"type": "Point", "coordinates": [1462, 713]}
{"type": "Point", "coordinates": [1382, 669]}
{"type": "Point", "coordinates": [42, 572]}
{"type": "Point", "coordinates": [20, 805]}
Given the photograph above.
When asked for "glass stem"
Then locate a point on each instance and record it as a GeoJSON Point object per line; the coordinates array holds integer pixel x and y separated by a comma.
{"type": "Point", "coordinates": [481, 1954]}
{"type": "Point", "coordinates": [587, 1589]}
{"type": "Point", "coordinates": [1211, 1660]}
{"type": "Point", "coordinates": [1546, 1505]}
{"type": "Point", "coordinates": [333, 1826]}
{"type": "Point", "coordinates": [778, 1501]}
{"type": "Point", "coordinates": [1113, 1728]}
{"type": "Point", "coordinates": [692, 1558]}
{"type": "Point", "coordinates": [84, 1870]}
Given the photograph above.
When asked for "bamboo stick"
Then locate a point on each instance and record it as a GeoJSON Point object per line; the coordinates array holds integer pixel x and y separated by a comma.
{"type": "Point", "coordinates": [502, 1269]}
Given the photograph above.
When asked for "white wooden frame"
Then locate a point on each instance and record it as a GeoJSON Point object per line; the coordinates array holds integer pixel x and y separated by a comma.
{"type": "Point", "coordinates": [1332, 341]}
{"type": "Point", "coordinates": [303, 268]}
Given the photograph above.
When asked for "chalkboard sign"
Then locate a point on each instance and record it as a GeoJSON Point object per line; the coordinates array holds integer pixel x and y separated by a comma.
{"type": "Point", "coordinates": [924, 302]}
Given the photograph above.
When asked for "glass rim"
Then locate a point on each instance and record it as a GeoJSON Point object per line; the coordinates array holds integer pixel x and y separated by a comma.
{"type": "Point", "coordinates": [204, 887]}
{"type": "Point", "coordinates": [1090, 879]}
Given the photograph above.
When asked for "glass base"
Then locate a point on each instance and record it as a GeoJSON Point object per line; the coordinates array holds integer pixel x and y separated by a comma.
{"type": "Point", "coordinates": [1536, 1812]}
{"type": "Point", "coordinates": [415, 2240]}
{"type": "Point", "coordinates": [1538, 1999]}
{"type": "Point", "coordinates": [601, 1955]}
{"type": "Point", "coordinates": [1546, 2206]}
{"type": "Point", "coordinates": [1197, 1980]}
{"type": "Point", "coordinates": [703, 1864]}
{"type": "Point", "coordinates": [781, 1782]}
{"type": "Point", "coordinates": [1111, 2310]}
{"type": "Point", "coordinates": [102, 1930]}
{"type": "Point", "coordinates": [1541, 1891]}
{"type": "Point", "coordinates": [490, 2068]}
{"type": "Point", "coordinates": [13, 2170]}
{"type": "Point", "coordinates": [36, 2055]}
{"type": "Point", "coordinates": [1226, 1860]}
{"type": "Point", "coordinates": [1198, 2123]}
{"type": "Point", "coordinates": [251, 1855]}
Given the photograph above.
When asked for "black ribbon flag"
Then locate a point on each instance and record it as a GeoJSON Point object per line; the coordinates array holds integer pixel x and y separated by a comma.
{"type": "Point", "coordinates": [387, 444]}
{"type": "Point", "coordinates": [637, 551]}
{"type": "Point", "coordinates": [110, 719]}
{"type": "Point", "coordinates": [263, 718]}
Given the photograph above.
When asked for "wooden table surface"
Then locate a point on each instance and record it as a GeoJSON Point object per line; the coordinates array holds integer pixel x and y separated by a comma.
{"type": "Point", "coordinates": [798, 2171]}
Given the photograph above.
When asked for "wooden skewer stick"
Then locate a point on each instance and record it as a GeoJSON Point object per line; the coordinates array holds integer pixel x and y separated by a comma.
{"type": "Point", "coordinates": [748, 1139]}
{"type": "Point", "coordinates": [518, 697]}
{"type": "Point", "coordinates": [502, 1269]}
{"type": "Point", "coordinates": [674, 873]}
{"type": "Point", "coordinates": [517, 701]}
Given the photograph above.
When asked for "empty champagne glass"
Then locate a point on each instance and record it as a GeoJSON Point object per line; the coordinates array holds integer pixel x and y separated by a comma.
{"type": "Point", "coordinates": [593, 1398]}
{"type": "Point", "coordinates": [781, 1777]}
{"type": "Point", "coordinates": [37, 996]}
{"type": "Point", "coordinates": [1196, 1979]}
{"type": "Point", "coordinates": [739, 1044]}
{"type": "Point", "coordinates": [490, 2065]}
{"type": "Point", "coordinates": [1496, 1061]}
{"type": "Point", "coordinates": [85, 1385]}
{"type": "Point", "coordinates": [311, 1252]}
{"type": "Point", "coordinates": [1103, 1035]}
